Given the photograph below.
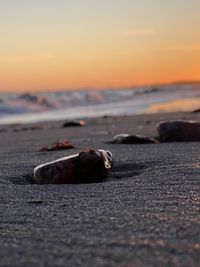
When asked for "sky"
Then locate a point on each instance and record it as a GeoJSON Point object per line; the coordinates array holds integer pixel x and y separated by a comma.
{"type": "Point", "coordinates": [72, 44]}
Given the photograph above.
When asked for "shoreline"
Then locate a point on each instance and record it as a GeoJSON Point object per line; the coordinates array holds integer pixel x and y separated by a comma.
{"type": "Point", "coordinates": [28, 108]}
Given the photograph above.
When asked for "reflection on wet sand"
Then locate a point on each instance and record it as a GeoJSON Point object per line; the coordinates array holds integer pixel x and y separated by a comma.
{"type": "Point", "coordinates": [188, 104]}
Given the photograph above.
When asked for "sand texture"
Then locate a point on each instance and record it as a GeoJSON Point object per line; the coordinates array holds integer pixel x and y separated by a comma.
{"type": "Point", "coordinates": [146, 214]}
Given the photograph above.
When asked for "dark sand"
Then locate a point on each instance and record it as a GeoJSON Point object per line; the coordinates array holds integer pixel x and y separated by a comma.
{"type": "Point", "coordinates": [146, 214]}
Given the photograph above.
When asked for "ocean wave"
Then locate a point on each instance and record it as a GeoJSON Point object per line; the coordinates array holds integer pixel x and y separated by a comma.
{"type": "Point", "coordinates": [29, 107]}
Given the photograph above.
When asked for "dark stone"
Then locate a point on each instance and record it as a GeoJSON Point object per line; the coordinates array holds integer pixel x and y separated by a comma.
{"type": "Point", "coordinates": [133, 139]}
{"type": "Point", "coordinates": [89, 166]}
{"type": "Point", "coordinates": [196, 110]}
{"type": "Point", "coordinates": [179, 131]}
{"type": "Point", "coordinates": [73, 123]}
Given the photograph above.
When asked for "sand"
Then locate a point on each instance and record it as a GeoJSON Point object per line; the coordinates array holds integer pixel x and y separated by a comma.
{"type": "Point", "coordinates": [146, 214]}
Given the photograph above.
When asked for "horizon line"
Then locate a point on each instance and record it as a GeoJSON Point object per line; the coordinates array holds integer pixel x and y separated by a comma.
{"type": "Point", "coordinates": [148, 85]}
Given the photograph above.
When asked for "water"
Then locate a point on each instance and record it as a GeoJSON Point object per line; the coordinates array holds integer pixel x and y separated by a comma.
{"type": "Point", "coordinates": [26, 108]}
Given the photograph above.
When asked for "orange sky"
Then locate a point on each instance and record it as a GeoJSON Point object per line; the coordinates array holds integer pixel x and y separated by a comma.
{"type": "Point", "coordinates": [97, 44]}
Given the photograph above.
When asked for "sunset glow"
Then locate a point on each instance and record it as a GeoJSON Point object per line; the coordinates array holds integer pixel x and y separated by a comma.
{"type": "Point", "coordinates": [55, 45]}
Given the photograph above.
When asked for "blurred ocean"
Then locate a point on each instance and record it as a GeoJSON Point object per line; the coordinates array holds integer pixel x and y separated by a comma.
{"type": "Point", "coordinates": [28, 107]}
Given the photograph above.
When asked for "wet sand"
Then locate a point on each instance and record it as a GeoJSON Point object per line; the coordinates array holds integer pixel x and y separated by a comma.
{"type": "Point", "coordinates": [146, 214]}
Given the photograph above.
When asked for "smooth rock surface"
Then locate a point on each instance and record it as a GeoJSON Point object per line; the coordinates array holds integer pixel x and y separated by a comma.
{"type": "Point", "coordinates": [178, 131]}
{"type": "Point", "coordinates": [133, 139]}
{"type": "Point", "coordinates": [89, 166]}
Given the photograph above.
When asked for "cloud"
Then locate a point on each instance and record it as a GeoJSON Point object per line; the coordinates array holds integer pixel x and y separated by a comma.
{"type": "Point", "coordinates": [140, 32]}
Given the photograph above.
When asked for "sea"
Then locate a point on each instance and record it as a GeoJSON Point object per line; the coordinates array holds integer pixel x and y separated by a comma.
{"type": "Point", "coordinates": [89, 103]}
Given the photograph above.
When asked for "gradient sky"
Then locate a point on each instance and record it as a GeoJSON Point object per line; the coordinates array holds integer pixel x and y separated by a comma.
{"type": "Point", "coordinates": [57, 44]}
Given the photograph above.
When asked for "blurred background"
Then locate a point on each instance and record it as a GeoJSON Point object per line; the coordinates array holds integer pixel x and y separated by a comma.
{"type": "Point", "coordinates": [76, 59]}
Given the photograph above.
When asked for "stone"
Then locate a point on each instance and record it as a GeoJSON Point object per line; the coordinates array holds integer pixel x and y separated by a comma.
{"type": "Point", "coordinates": [57, 146]}
{"type": "Point", "coordinates": [178, 131]}
{"type": "Point", "coordinates": [73, 123]}
{"type": "Point", "coordinates": [196, 110]}
{"type": "Point", "coordinates": [89, 166]}
{"type": "Point", "coordinates": [133, 139]}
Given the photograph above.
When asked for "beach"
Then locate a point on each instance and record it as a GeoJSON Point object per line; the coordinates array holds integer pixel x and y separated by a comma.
{"type": "Point", "coordinates": [147, 213]}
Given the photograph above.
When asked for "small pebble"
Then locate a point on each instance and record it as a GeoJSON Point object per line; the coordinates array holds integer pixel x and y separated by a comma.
{"type": "Point", "coordinates": [133, 139]}
{"type": "Point", "coordinates": [57, 146]}
{"type": "Point", "coordinates": [73, 123]}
